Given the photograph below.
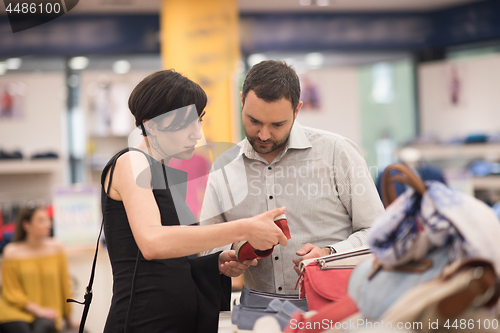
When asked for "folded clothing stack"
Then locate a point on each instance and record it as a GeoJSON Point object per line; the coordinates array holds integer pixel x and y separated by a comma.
{"type": "Point", "coordinates": [44, 155]}
{"type": "Point", "coordinates": [482, 168]}
{"type": "Point", "coordinates": [10, 155]}
{"type": "Point", "coordinates": [255, 304]}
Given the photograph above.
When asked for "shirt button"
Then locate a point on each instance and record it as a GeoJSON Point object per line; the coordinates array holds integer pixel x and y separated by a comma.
{"type": "Point", "coordinates": [280, 289]}
{"type": "Point", "coordinates": [269, 168]}
{"type": "Point", "coordinates": [271, 197]}
{"type": "Point", "coordinates": [276, 258]}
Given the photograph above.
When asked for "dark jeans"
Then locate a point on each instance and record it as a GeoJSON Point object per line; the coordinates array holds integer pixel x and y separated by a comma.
{"type": "Point", "coordinates": [40, 325]}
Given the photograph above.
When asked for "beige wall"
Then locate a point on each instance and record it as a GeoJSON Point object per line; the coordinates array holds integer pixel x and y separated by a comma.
{"type": "Point", "coordinates": [339, 90]}
{"type": "Point", "coordinates": [40, 128]}
{"type": "Point", "coordinates": [80, 264]}
{"type": "Point", "coordinates": [479, 107]}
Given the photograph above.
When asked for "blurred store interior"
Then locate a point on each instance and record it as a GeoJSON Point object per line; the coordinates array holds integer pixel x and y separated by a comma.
{"type": "Point", "coordinates": [408, 80]}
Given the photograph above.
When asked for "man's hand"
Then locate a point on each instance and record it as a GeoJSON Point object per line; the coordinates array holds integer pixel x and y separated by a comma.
{"type": "Point", "coordinates": [229, 265]}
{"type": "Point", "coordinates": [309, 251]}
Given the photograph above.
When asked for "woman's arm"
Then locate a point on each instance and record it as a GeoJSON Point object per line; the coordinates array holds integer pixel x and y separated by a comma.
{"type": "Point", "coordinates": [12, 289]}
{"type": "Point", "coordinates": [41, 312]}
{"type": "Point", "coordinates": [160, 242]}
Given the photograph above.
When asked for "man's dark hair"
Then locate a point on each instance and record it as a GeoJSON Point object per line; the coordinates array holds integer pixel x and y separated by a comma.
{"type": "Point", "coordinates": [165, 91]}
{"type": "Point", "coordinates": [272, 80]}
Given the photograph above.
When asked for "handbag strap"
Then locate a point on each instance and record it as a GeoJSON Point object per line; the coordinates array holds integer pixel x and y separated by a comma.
{"type": "Point", "coordinates": [88, 291]}
{"type": "Point", "coordinates": [405, 176]}
{"type": "Point", "coordinates": [483, 288]}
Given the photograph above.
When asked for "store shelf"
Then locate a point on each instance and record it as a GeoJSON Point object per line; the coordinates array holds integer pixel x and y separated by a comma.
{"type": "Point", "coordinates": [486, 183]}
{"type": "Point", "coordinates": [13, 167]}
{"type": "Point", "coordinates": [489, 151]}
{"type": "Point", "coordinates": [110, 136]}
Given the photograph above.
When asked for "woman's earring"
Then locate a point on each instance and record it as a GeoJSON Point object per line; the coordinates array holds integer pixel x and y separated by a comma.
{"type": "Point", "coordinates": [155, 144]}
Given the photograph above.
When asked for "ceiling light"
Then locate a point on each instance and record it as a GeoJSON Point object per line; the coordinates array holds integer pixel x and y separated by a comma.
{"type": "Point", "coordinates": [305, 2]}
{"type": "Point", "coordinates": [78, 63]}
{"type": "Point", "coordinates": [2, 68]}
{"type": "Point", "coordinates": [322, 3]}
{"type": "Point", "coordinates": [121, 67]}
{"type": "Point", "coordinates": [255, 58]}
{"type": "Point", "coordinates": [315, 59]}
{"type": "Point", "coordinates": [13, 63]}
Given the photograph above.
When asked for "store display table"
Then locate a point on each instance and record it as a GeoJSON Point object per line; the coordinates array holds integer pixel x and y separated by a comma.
{"type": "Point", "coordinates": [225, 322]}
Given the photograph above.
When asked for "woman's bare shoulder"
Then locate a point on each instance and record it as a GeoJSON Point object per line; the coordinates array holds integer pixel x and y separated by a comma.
{"type": "Point", "coordinates": [20, 250]}
{"type": "Point", "coordinates": [131, 160]}
{"type": "Point", "coordinates": [134, 167]}
{"type": "Point", "coordinates": [53, 245]}
{"type": "Point", "coordinates": [12, 250]}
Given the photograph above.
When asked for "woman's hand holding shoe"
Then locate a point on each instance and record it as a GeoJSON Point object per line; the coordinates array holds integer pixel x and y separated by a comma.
{"type": "Point", "coordinates": [264, 233]}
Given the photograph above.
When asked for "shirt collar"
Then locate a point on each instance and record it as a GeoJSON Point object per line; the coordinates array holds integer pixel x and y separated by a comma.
{"type": "Point", "coordinates": [297, 140]}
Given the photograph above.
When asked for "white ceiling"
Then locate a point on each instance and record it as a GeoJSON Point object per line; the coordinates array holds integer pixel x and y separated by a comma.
{"type": "Point", "coordinates": [262, 6]}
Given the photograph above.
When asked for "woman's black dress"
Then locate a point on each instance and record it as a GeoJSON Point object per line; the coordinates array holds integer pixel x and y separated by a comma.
{"type": "Point", "coordinates": [173, 295]}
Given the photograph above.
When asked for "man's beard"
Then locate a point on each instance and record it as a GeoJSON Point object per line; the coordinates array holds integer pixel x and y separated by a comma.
{"type": "Point", "coordinates": [267, 149]}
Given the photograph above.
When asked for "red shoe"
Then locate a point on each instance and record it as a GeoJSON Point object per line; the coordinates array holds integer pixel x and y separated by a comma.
{"type": "Point", "coordinates": [245, 251]}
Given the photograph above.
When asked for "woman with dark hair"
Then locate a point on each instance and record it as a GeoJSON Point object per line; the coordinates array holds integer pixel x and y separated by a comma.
{"type": "Point", "coordinates": [35, 278]}
{"type": "Point", "coordinates": [156, 288]}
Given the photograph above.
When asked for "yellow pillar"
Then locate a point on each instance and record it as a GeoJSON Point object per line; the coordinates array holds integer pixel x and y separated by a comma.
{"type": "Point", "coordinates": [199, 39]}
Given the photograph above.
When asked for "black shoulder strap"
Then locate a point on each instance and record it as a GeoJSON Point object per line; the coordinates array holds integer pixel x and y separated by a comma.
{"type": "Point", "coordinates": [88, 293]}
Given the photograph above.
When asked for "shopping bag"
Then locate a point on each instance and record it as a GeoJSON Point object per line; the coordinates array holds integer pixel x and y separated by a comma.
{"type": "Point", "coordinates": [429, 223]}
{"type": "Point", "coordinates": [376, 288]}
{"type": "Point", "coordinates": [457, 301]}
{"type": "Point", "coordinates": [428, 216]}
{"type": "Point", "coordinates": [326, 318]}
{"type": "Point", "coordinates": [324, 280]}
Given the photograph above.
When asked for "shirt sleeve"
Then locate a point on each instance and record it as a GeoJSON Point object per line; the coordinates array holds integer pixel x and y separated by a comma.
{"type": "Point", "coordinates": [357, 193]}
{"type": "Point", "coordinates": [12, 289]}
{"type": "Point", "coordinates": [211, 211]}
{"type": "Point", "coordinates": [66, 286]}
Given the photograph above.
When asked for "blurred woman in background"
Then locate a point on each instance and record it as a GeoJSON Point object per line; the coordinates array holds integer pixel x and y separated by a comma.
{"type": "Point", "coordinates": [35, 279]}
